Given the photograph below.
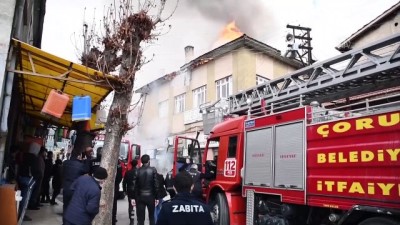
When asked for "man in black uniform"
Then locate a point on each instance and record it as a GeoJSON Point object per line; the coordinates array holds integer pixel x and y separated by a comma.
{"type": "Point", "coordinates": [129, 188]}
{"type": "Point", "coordinates": [184, 209]}
{"type": "Point", "coordinates": [146, 190]}
{"type": "Point", "coordinates": [196, 177]}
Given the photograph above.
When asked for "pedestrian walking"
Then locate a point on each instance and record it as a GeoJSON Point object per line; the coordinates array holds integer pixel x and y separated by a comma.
{"type": "Point", "coordinates": [129, 188]}
{"type": "Point", "coordinates": [72, 169]}
{"type": "Point", "coordinates": [48, 167]}
{"type": "Point", "coordinates": [85, 202]}
{"type": "Point", "coordinates": [184, 208]}
{"type": "Point", "coordinates": [39, 152]}
{"type": "Point", "coordinates": [146, 190]}
{"type": "Point", "coordinates": [57, 181]}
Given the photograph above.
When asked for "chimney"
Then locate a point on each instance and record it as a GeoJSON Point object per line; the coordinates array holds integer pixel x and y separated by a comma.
{"type": "Point", "coordinates": [189, 52]}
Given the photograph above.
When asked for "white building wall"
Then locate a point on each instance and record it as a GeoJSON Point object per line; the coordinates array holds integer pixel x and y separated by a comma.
{"type": "Point", "coordinates": [264, 66]}
{"type": "Point", "coordinates": [163, 92]}
{"type": "Point", "coordinates": [389, 27]}
{"type": "Point", "coordinates": [178, 85]}
{"type": "Point", "coordinates": [199, 77]}
{"type": "Point", "coordinates": [223, 66]}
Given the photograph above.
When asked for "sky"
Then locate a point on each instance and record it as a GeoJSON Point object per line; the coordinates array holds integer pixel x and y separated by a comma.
{"type": "Point", "coordinates": [200, 22]}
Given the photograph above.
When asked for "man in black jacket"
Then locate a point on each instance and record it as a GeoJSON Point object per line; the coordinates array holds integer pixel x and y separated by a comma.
{"type": "Point", "coordinates": [85, 202]}
{"type": "Point", "coordinates": [146, 190]}
{"type": "Point", "coordinates": [129, 188]}
{"type": "Point", "coordinates": [72, 169]}
{"type": "Point", "coordinates": [184, 209]}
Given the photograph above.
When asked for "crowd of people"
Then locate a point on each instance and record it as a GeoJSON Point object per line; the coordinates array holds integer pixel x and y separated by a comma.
{"type": "Point", "coordinates": [80, 177]}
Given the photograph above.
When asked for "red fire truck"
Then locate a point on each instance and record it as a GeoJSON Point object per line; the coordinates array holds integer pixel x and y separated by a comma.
{"type": "Point", "coordinates": [127, 152]}
{"type": "Point", "coordinates": [318, 146]}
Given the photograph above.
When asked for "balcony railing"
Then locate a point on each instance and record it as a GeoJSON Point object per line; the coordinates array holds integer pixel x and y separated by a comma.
{"type": "Point", "coordinates": [192, 116]}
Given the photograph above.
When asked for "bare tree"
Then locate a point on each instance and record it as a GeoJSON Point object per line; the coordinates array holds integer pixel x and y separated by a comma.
{"type": "Point", "coordinates": [126, 26]}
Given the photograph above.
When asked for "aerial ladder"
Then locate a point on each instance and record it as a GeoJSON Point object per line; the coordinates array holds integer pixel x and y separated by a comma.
{"type": "Point", "coordinates": [369, 69]}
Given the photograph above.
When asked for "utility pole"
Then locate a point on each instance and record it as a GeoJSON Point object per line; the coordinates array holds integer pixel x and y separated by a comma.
{"type": "Point", "coordinates": [299, 39]}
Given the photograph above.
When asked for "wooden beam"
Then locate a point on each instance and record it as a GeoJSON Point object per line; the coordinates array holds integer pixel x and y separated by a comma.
{"type": "Point", "coordinates": [58, 78]}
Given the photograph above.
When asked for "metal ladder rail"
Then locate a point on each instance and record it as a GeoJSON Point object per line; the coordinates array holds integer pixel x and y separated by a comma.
{"type": "Point", "coordinates": [322, 82]}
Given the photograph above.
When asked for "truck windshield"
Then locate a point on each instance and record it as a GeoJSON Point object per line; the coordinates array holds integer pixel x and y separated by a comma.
{"type": "Point", "coordinates": [123, 149]}
{"type": "Point", "coordinates": [212, 150]}
{"type": "Point", "coordinates": [188, 151]}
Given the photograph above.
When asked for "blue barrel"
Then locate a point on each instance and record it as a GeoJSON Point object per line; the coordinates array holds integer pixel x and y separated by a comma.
{"type": "Point", "coordinates": [81, 108]}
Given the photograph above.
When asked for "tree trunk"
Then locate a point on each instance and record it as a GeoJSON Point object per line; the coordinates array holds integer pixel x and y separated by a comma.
{"type": "Point", "coordinates": [133, 29]}
{"type": "Point", "coordinates": [115, 128]}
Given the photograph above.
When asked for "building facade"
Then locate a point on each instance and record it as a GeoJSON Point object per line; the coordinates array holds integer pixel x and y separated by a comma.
{"type": "Point", "coordinates": [174, 101]}
{"type": "Point", "coordinates": [384, 25]}
{"type": "Point", "coordinates": [22, 20]}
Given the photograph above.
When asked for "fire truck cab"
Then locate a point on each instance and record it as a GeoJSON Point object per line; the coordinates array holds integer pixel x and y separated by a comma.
{"type": "Point", "coordinates": [282, 158]}
{"type": "Point", "coordinates": [127, 153]}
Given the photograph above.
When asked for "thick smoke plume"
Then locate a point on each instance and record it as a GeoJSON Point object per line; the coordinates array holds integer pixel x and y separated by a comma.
{"type": "Point", "coordinates": [252, 17]}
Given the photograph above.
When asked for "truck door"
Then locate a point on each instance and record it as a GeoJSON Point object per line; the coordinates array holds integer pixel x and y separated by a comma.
{"type": "Point", "coordinates": [228, 168]}
{"type": "Point", "coordinates": [186, 152]}
{"type": "Point", "coordinates": [134, 153]}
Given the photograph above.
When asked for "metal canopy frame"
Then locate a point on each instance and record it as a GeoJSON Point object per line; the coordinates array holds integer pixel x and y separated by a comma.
{"type": "Point", "coordinates": [39, 72]}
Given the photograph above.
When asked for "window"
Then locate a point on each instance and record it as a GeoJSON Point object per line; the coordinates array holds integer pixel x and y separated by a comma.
{"type": "Point", "coordinates": [212, 152]}
{"type": "Point", "coordinates": [224, 87]}
{"type": "Point", "coordinates": [163, 109]}
{"type": "Point", "coordinates": [199, 96]}
{"type": "Point", "coordinates": [232, 147]}
{"type": "Point", "coordinates": [260, 80]}
{"type": "Point", "coordinates": [180, 103]}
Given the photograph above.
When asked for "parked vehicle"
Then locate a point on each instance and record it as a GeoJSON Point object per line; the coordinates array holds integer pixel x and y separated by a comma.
{"type": "Point", "coordinates": [127, 153]}
{"type": "Point", "coordinates": [284, 159]}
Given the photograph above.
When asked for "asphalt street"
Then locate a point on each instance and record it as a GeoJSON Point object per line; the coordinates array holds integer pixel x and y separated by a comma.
{"type": "Point", "coordinates": [52, 215]}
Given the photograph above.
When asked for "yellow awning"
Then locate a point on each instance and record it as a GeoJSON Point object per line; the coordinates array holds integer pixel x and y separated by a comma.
{"type": "Point", "coordinates": [41, 72]}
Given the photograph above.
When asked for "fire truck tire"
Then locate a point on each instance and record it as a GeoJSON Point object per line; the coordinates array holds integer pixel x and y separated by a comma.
{"type": "Point", "coordinates": [379, 221]}
{"type": "Point", "coordinates": [220, 209]}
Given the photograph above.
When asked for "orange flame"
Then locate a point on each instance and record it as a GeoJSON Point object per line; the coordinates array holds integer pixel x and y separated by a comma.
{"type": "Point", "coordinates": [229, 33]}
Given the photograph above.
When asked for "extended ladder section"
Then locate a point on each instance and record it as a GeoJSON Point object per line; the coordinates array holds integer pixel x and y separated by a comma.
{"type": "Point", "coordinates": [365, 70]}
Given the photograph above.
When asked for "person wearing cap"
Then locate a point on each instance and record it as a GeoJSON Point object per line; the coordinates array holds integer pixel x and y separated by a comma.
{"type": "Point", "coordinates": [85, 202]}
{"type": "Point", "coordinates": [72, 169]}
{"type": "Point", "coordinates": [184, 208]}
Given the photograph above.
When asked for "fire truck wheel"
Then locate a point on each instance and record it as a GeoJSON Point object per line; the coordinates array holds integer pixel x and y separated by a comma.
{"type": "Point", "coordinates": [379, 221]}
{"type": "Point", "coordinates": [220, 210]}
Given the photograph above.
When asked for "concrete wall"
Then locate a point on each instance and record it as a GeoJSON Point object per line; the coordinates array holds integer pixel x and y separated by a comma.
{"type": "Point", "coordinates": [211, 78]}
{"type": "Point", "coordinates": [6, 22]}
{"type": "Point", "coordinates": [224, 66]}
{"type": "Point", "coordinates": [178, 88]}
{"type": "Point", "coordinates": [244, 69]}
{"type": "Point", "coordinates": [264, 66]}
{"type": "Point", "coordinates": [280, 69]}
